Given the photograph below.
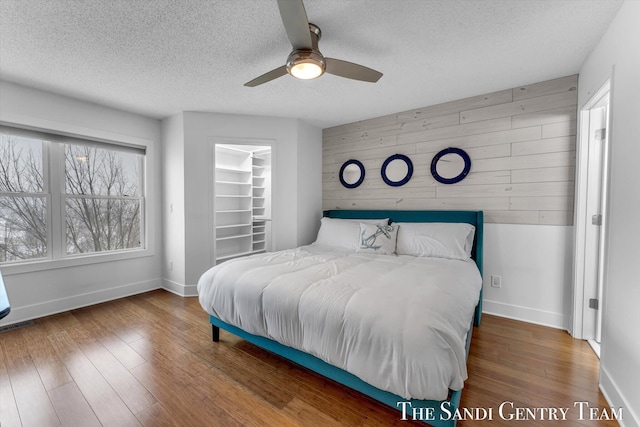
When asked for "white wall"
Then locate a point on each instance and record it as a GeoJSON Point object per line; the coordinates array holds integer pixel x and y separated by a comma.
{"type": "Point", "coordinates": [534, 264]}
{"type": "Point", "coordinates": [617, 57]}
{"type": "Point", "coordinates": [309, 183]}
{"type": "Point", "coordinates": [296, 182]}
{"type": "Point", "coordinates": [62, 285]}
{"type": "Point", "coordinates": [173, 224]}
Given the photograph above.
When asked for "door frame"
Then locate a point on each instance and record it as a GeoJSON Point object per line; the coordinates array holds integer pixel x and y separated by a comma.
{"type": "Point", "coordinates": [211, 192]}
{"type": "Point", "coordinates": [582, 217]}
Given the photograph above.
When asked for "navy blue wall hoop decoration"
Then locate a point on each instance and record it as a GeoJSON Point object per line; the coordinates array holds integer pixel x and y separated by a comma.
{"type": "Point", "coordinates": [342, 170]}
{"type": "Point", "coordinates": [406, 178]}
{"type": "Point", "coordinates": [461, 175]}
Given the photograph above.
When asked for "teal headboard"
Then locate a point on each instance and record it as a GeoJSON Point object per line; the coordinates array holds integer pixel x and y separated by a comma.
{"type": "Point", "coordinates": [474, 218]}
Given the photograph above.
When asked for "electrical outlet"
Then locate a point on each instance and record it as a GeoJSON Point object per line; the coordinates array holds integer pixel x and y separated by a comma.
{"type": "Point", "coordinates": [496, 282]}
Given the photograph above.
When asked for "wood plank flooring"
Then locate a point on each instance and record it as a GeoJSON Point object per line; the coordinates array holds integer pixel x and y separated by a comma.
{"type": "Point", "coordinates": [149, 360]}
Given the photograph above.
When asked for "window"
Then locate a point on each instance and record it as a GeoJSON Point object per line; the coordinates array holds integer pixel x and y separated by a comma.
{"type": "Point", "coordinates": [63, 197]}
{"type": "Point", "coordinates": [102, 199]}
{"type": "Point", "coordinates": [23, 199]}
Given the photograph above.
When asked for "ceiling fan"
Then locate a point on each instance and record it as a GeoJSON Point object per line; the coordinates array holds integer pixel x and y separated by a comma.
{"type": "Point", "coordinates": [306, 61]}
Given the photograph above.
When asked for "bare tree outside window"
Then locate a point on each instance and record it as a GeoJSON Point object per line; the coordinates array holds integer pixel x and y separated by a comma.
{"type": "Point", "coordinates": [23, 207]}
{"type": "Point", "coordinates": [102, 204]}
{"type": "Point", "coordinates": [102, 200]}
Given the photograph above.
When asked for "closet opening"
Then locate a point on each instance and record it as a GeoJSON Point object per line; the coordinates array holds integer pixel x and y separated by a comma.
{"type": "Point", "coordinates": [242, 200]}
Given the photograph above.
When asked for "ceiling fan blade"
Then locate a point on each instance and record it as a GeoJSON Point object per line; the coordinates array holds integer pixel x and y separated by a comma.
{"type": "Point", "coordinates": [267, 77]}
{"type": "Point", "coordinates": [295, 21]}
{"type": "Point", "coordinates": [350, 70]}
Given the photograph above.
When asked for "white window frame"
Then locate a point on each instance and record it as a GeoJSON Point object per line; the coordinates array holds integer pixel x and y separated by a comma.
{"type": "Point", "coordinates": [44, 194]}
{"type": "Point", "coordinates": [55, 197]}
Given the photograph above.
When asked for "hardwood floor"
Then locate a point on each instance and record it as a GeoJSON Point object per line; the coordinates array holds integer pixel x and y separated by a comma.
{"type": "Point", "coordinates": [149, 360]}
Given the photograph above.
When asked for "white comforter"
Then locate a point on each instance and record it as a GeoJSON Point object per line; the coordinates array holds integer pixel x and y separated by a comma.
{"type": "Point", "coordinates": [397, 322]}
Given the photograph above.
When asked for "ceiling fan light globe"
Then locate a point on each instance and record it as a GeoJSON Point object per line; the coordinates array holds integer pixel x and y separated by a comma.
{"type": "Point", "coordinates": [306, 64]}
{"type": "Point", "coordinates": [306, 70]}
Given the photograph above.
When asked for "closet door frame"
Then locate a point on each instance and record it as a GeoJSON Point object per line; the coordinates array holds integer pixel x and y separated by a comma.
{"type": "Point", "coordinates": [211, 184]}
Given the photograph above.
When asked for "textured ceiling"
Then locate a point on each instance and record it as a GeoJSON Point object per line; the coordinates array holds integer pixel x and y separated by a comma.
{"type": "Point", "coordinates": [160, 57]}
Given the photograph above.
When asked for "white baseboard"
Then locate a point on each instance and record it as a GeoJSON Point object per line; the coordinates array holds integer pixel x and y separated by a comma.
{"type": "Point", "coordinates": [180, 289]}
{"type": "Point", "coordinates": [616, 400]}
{"type": "Point", "coordinates": [526, 314]}
{"type": "Point", "coordinates": [47, 308]}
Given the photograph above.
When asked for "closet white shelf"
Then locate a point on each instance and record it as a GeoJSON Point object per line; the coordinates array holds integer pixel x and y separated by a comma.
{"type": "Point", "coordinates": [233, 183]}
{"type": "Point", "coordinates": [223, 227]}
{"type": "Point", "coordinates": [232, 170]}
{"type": "Point", "coordinates": [229, 211]}
{"type": "Point", "coordinates": [231, 150]}
{"type": "Point", "coordinates": [237, 237]}
{"type": "Point", "coordinates": [232, 195]}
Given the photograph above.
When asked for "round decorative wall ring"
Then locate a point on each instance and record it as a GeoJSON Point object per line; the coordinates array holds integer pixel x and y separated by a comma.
{"type": "Point", "coordinates": [351, 173]}
{"type": "Point", "coordinates": [397, 170]}
{"type": "Point", "coordinates": [450, 165]}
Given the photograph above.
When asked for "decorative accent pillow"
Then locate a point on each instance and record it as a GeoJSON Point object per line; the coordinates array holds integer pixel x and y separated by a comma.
{"type": "Point", "coordinates": [436, 239]}
{"type": "Point", "coordinates": [343, 233]}
{"type": "Point", "coordinates": [378, 239]}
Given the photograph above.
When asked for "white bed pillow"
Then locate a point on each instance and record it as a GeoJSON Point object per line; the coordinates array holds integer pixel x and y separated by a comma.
{"type": "Point", "coordinates": [378, 239]}
{"type": "Point", "coordinates": [435, 239]}
{"type": "Point", "coordinates": [343, 233]}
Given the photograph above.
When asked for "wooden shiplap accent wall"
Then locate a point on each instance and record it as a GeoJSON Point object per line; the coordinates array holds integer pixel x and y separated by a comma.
{"type": "Point", "coordinates": [522, 147]}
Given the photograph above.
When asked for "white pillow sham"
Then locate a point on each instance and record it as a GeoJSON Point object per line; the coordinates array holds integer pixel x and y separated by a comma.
{"type": "Point", "coordinates": [378, 239]}
{"type": "Point", "coordinates": [435, 239]}
{"type": "Point", "coordinates": [343, 233]}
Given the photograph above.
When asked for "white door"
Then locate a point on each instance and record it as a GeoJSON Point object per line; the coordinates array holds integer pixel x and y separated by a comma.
{"type": "Point", "coordinates": [594, 250]}
{"type": "Point", "coordinates": [591, 217]}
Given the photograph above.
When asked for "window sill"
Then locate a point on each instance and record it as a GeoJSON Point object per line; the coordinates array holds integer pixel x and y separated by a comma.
{"type": "Point", "coordinates": [75, 261]}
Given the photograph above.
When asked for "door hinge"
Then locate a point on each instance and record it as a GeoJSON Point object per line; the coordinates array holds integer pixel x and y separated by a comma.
{"type": "Point", "coordinates": [596, 219]}
{"type": "Point", "coordinates": [593, 303]}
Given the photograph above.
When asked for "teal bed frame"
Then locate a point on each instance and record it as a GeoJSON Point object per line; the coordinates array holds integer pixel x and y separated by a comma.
{"type": "Point", "coordinates": [434, 408]}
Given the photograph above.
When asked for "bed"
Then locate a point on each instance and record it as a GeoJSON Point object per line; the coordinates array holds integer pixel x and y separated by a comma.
{"type": "Point", "coordinates": [339, 311]}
